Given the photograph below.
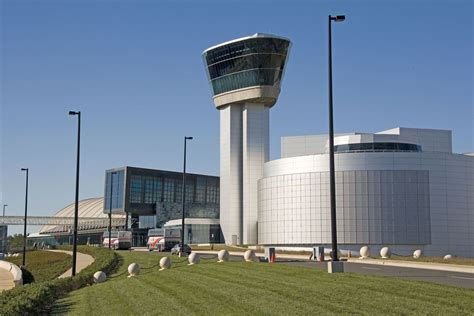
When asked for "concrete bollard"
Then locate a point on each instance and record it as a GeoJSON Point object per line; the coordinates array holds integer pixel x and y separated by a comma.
{"type": "Point", "coordinates": [223, 255]}
{"type": "Point", "coordinates": [165, 263]}
{"type": "Point", "coordinates": [385, 253]}
{"type": "Point", "coordinates": [364, 252]}
{"type": "Point", "coordinates": [194, 258]}
{"type": "Point", "coordinates": [133, 270]}
{"type": "Point", "coordinates": [99, 277]}
{"type": "Point", "coordinates": [250, 256]}
{"type": "Point", "coordinates": [417, 253]}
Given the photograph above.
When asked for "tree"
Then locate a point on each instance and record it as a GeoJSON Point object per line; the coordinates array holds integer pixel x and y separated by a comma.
{"type": "Point", "coordinates": [15, 243]}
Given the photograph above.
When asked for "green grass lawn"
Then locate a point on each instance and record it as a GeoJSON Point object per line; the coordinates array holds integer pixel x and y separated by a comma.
{"type": "Point", "coordinates": [211, 288]}
{"type": "Point", "coordinates": [44, 265]}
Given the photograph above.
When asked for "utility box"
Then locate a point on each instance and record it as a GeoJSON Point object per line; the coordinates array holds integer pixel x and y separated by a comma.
{"type": "Point", "coordinates": [318, 253]}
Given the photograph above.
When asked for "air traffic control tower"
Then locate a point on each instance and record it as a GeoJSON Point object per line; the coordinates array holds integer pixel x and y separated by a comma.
{"type": "Point", "coordinates": [245, 76]}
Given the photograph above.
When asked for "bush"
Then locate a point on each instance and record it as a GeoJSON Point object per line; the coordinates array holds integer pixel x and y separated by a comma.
{"type": "Point", "coordinates": [37, 298]}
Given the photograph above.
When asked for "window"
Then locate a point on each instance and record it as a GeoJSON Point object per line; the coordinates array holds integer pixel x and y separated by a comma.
{"type": "Point", "coordinates": [247, 63]}
{"type": "Point", "coordinates": [158, 186]}
{"type": "Point", "coordinates": [168, 190]}
{"type": "Point", "coordinates": [364, 147]}
{"type": "Point", "coordinates": [189, 191]}
{"type": "Point", "coordinates": [200, 190]}
{"type": "Point", "coordinates": [248, 78]}
{"type": "Point", "coordinates": [212, 195]}
{"type": "Point", "coordinates": [148, 196]}
{"type": "Point", "coordinates": [249, 46]}
{"type": "Point", "coordinates": [136, 189]}
{"type": "Point", "coordinates": [117, 189]}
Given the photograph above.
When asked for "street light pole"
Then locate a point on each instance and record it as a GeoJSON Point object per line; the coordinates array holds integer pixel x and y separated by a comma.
{"type": "Point", "coordinates": [110, 206]}
{"type": "Point", "coordinates": [26, 216]}
{"type": "Point", "coordinates": [4, 206]}
{"type": "Point", "coordinates": [183, 197]}
{"type": "Point", "coordinates": [332, 173]}
{"type": "Point", "coordinates": [76, 208]}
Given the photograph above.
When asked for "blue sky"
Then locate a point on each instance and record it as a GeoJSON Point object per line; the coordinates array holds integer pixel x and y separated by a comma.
{"type": "Point", "coordinates": [134, 69]}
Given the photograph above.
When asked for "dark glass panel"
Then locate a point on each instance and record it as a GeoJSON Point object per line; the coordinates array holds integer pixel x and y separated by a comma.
{"type": "Point", "coordinates": [250, 78]}
{"type": "Point", "coordinates": [117, 190]}
{"type": "Point", "coordinates": [250, 46]}
{"type": "Point", "coordinates": [255, 61]}
{"type": "Point", "coordinates": [136, 189]}
{"type": "Point", "coordinates": [377, 147]}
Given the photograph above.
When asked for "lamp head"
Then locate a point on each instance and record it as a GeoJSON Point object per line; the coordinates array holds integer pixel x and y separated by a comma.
{"type": "Point", "coordinates": [24, 169]}
{"type": "Point", "coordinates": [338, 18]}
{"type": "Point", "coordinates": [188, 137]}
{"type": "Point", "coordinates": [73, 113]}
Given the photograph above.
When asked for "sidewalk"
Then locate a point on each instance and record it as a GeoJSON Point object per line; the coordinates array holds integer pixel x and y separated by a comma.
{"type": "Point", "coordinates": [82, 262]}
{"type": "Point", "coordinates": [417, 265]}
{"type": "Point", "coordinates": [6, 280]}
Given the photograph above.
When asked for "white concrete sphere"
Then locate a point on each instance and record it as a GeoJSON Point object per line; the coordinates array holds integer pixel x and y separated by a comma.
{"type": "Point", "coordinates": [223, 255]}
{"type": "Point", "coordinates": [250, 256]}
{"type": "Point", "coordinates": [165, 263]}
{"type": "Point", "coordinates": [385, 252]}
{"type": "Point", "coordinates": [194, 258]}
{"type": "Point", "coordinates": [417, 253]}
{"type": "Point", "coordinates": [364, 251]}
{"type": "Point", "coordinates": [447, 257]}
{"type": "Point", "coordinates": [133, 269]}
{"type": "Point", "coordinates": [99, 277]}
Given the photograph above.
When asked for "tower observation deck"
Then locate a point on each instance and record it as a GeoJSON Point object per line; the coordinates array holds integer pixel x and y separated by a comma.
{"type": "Point", "coordinates": [245, 75]}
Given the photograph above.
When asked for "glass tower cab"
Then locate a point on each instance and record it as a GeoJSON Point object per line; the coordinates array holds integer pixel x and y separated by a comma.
{"type": "Point", "coordinates": [248, 69]}
{"type": "Point", "coordinates": [245, 76]}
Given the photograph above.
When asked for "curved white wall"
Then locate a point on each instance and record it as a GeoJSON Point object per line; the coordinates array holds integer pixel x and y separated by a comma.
{"type": "Point", "coordinates": [450, 206]}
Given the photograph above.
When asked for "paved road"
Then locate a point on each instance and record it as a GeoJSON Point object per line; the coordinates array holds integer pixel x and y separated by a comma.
{"type": "Point", "coordinates": [465, 280]}
{"type": "Point", "coordinates": [459, 279]}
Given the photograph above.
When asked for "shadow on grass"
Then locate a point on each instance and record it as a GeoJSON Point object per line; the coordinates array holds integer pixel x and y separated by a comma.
{"type": "Point", "coordinates": [61, 307]}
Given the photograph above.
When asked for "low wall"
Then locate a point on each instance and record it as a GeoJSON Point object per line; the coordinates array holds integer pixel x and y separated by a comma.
{"type": "Point", "coordinates": [14, 270]}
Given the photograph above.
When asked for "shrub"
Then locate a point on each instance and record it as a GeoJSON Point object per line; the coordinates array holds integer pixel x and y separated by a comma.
{"type": "Point", "coordinates": [37, 298]}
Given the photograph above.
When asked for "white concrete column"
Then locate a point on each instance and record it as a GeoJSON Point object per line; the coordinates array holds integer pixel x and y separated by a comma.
{"type": "Point", "coordinates": [256, 147]}
{"type": "Point", "coordinates": [231, 173]}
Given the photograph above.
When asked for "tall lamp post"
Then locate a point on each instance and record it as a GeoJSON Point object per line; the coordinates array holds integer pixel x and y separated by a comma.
{"type": "Point", "coordinates": [332, 173]}
{"type": "Point", "coordinates": [186, 138]}
{"type": "Point", "coordinates": [4, 206]}
{"type": "Point", "coordinates": [110, 206]}
{"type": "Point", "coordinates": [76, 208]}
{"type": "Point", "coordinates": [26, 216]}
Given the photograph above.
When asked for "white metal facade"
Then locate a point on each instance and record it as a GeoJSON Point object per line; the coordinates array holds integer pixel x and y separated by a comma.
{"type": "Point", "coordinates": [406, 200]}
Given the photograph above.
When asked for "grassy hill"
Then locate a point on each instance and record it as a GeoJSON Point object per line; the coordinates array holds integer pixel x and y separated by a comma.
{"type": "Point", "coordinates": [212, 288]}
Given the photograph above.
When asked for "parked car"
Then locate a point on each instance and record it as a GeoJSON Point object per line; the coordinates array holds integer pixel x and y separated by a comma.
{"type": "Point", "coordinates": [175, 250]}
